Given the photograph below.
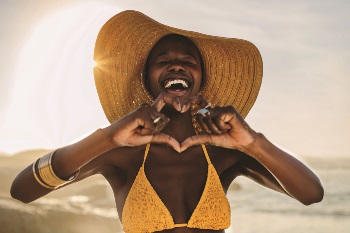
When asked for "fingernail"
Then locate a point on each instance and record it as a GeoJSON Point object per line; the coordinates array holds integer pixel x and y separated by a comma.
{"type": "Point", "coordinates": [179, 107]}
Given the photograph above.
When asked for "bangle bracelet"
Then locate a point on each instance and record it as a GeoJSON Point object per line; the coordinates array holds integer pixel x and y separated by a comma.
{"type": "Point", "coordinates": [37, 178]}
{"type": "Point", "coordinates": [47, 174]}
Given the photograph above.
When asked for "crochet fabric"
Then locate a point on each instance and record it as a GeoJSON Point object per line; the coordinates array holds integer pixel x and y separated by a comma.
{"type": "Point", "coordinates": [144, 211]}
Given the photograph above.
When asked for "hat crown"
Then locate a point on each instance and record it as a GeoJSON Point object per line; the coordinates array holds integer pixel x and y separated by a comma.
{"type": "Point", "coordinates": [232, 67]}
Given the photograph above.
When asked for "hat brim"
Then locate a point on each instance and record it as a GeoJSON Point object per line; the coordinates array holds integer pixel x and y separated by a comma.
{"type": "Point", "coordinates": [233, 67]}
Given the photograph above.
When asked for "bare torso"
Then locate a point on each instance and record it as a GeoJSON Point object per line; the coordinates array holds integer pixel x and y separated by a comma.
{"type": "Point", "coordinates": [178, 179]}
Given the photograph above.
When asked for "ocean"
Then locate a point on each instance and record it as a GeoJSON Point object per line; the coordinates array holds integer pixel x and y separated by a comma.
{"type": "Point", "coordinates": [88, 206]}
{"type": "Point", "coordinates": [257, 209]}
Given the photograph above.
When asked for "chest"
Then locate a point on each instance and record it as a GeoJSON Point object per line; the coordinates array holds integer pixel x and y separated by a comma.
{"type": "Point", "coordinates": [166, 169]}
{"type": "Point", "coordinates": [178, 179]}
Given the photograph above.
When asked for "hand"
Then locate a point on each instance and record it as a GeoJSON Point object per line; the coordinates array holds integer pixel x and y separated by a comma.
{"type": "Point", "coordinates": [222, 126]}
{"type": "Point", "coordinates": [141, 127]}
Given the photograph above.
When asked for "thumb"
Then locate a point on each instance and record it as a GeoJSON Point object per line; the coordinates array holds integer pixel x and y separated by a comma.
{"type": "Point", "coordinates": [162, 138]}
{"type": "Point", "coordinates": [196, 140]}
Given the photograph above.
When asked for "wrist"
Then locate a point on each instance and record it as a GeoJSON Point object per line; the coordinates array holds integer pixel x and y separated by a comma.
{"type": "Point", "coordinates": [250, 148]}
{"type": "Point", "coordinates": [107, 136]}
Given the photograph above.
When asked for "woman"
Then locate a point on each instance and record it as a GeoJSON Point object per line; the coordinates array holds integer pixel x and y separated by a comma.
{"type": "Point", "coordinates": [167, 92]}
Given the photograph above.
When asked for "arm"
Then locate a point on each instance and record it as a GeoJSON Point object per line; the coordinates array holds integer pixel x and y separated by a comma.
{"type": "Point", "coordinates": [224, 127]}
{"type": "Point", "coordinates": [276, 169]}
{"type": "Point", "coordinates": [65, 162]}
{"type": "Point", "coordinates": [137, 128]}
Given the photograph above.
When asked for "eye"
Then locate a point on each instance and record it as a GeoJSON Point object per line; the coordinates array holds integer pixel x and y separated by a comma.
{"type": "Point", "coordinates": [161, 61]}
{"type": "Point", "coordinates": [190, 62]}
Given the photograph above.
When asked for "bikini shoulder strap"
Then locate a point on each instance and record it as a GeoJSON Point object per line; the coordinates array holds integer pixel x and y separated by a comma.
{"type": "Point", "coordinates": [146, 153]}
{"type": "Point", "coordinates": [206, 154]}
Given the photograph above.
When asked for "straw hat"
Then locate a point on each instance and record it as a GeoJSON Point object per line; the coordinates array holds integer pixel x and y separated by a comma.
{"type": "Point", "coordinates": [233, 67]}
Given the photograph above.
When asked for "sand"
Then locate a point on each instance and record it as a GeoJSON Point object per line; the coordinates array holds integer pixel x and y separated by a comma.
{"type": "Point", "coordinates": [88, 206]}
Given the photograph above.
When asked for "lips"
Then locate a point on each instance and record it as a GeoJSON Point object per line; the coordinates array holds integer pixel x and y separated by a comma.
{"type": "Point", "coordinates": [177, 85]}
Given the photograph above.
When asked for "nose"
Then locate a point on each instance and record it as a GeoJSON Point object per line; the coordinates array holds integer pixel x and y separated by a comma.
{"type": "Point", "coordinates": [176, 66]}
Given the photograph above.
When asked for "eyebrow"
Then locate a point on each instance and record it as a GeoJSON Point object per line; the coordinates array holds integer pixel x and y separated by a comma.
{"type": "Point", "coordinates": [187, 54]}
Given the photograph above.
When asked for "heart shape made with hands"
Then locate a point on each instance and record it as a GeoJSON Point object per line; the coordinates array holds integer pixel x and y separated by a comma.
{"type": "Point", "coordinates": [162, 138]}
{"type": "Point", "coordinates": [229, 131]}
{"type": "Point", "coordinates": [224, 140]}
{"type": "Point", "coordinates": [223, 127]}
{"type": "Point", "coordinates": [218, 140]}
{"type": "Point", "coordinates": [176, 145]}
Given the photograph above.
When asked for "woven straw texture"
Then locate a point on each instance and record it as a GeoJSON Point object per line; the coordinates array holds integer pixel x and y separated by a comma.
{"type": "Point", "coordinates": [233, 67]}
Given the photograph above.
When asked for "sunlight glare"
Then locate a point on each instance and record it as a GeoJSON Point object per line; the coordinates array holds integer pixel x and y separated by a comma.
{"type": "Point", "coordinates": [54, 99]}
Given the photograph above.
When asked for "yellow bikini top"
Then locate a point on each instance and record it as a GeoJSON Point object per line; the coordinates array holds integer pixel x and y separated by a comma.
{"type": "Point", "coordinates": [144, 211]}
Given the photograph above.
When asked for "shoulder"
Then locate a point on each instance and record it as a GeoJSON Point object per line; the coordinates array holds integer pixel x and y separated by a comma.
{"type": "Point", "coordinates": [116, 162]}
{"type": "Point", "coordinates": [230, 164]}
{"type": "Point", "coordinates": [223, 158]}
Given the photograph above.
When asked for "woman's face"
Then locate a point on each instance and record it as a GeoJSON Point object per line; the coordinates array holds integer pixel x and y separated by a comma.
{"type": "Point", "coordinates": [174, 66]}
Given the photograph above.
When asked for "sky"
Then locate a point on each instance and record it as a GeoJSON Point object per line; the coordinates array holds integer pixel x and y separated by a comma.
{"type": "Point", "coordinates": [47, 93]}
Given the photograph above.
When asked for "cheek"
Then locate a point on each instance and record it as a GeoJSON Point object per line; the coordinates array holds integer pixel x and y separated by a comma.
{"type": "Point", "coordinates": [153, 83]}
{"type": "Point", "coordinates": [197, 80]}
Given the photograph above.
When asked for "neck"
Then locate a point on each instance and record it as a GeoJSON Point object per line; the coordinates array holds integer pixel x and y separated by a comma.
{"type": "Point", "coordinates": [180, 126]}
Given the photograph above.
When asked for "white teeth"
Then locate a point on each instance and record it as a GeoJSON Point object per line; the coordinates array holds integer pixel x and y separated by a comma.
{"type": "Point", "coordinates": [176, 81]}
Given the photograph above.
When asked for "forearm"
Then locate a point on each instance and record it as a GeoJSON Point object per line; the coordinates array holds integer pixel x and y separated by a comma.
{"type": "Point", "coordinates": [66, 161]}
{"type": "Point", "coordinates": [296, 178]}
{"type": "Point", "coordinates": [69, 159]}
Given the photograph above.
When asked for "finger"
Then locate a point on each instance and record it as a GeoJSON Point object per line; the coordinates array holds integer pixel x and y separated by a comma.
{"type": "Point", "coordinates": [147, 110]}
{"type": "Point", "coordinates": [210, 124]}
{"type": "Point", "coordinates": [145, 125]}
{"type": "Point", "coordinates": [198, 100]}
{"type": "Point", "coordinates": [218, 117]}
{"type": "Point", "coordinates": [152, 112]}
{"type": "Point", "coordinates": [196, 140]}
{"type": "Point", "coordinates": [164, 99]}
{"type": "Point", "coordinates": [145, 131]}
{"type": "Point", "coordinates": [200, 120]}
{"type": "Point", "coordinates": [161, 123]}
{"type": "Point", "coordinates": [162, 138]}
{"type": "Point", "coordinates": [159, 120]}
{"type": "Point", "coordinates": [220, 124]}
{"type": "Point", "coordinates": [156, 120]}
{"type": "Point", "coordinates": [155, 115]}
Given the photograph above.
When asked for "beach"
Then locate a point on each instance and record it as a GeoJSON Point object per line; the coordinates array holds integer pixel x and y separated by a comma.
{"type": "Point", "coordinates": [88, 206]}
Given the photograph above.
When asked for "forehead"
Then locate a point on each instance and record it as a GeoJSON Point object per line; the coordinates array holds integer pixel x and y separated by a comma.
{"type": "Point", "coordinates": [174, 44]}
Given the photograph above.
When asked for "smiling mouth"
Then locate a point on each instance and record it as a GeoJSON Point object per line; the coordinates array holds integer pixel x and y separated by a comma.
{"type": "Point", "coordinates": [176, 84]}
